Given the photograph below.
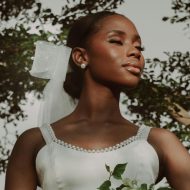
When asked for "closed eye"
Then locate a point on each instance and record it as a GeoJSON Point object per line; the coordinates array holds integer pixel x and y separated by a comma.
{"type": "Point", "coordinates": [116, 42]}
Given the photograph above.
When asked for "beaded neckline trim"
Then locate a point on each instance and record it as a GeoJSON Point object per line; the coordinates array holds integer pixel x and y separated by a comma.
{"type": "Point", "coordinates": [100, 150]}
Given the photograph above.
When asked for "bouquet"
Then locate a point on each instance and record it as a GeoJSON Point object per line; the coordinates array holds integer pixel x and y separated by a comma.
{"type": "Point", "coordinates": [126, 184]}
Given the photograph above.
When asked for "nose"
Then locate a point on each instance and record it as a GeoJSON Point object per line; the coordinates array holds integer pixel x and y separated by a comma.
{"type": "Point", "coordinates": [133, 52]}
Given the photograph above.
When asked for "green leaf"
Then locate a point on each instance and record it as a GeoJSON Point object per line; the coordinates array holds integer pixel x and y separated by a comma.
{"type": "Point", "coordinates": [144, 186]}
{"type": "Point", "coordinates": [105, 185]}
{"type": "Point", "coordinates": [107, 168]}
{"type": "Point", "coordinates": [119, 170]}
{"type": "Point", "coordinates": [151, 187]}
{"type": "Point", "coordinates": [164, 188]}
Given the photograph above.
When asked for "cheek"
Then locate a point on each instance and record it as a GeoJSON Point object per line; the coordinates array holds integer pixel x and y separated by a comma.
{"type": "Point", "coordinates": [105, 64]}
{"type": "Point", "coordinates": [105, 56]}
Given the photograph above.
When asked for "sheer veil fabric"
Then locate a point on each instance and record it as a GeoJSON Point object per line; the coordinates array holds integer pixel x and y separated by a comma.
{"type": "Point", "coordinates": [51, 62]}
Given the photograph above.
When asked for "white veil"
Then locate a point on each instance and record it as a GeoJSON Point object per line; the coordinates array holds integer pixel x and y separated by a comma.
{"type": "Point", "coordinates": [51, 62]}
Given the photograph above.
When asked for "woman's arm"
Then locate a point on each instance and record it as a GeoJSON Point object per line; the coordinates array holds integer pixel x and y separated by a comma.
{"type": "Point", "coordinates": [21, 173]}
{"type": "Point", "coordinates": [175, 159]}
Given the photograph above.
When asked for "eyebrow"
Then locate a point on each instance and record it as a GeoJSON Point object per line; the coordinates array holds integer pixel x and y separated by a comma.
{"type": "Point", "coordinates": [120, 32]}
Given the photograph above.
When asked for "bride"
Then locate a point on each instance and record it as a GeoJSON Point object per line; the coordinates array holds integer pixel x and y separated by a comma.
{"type": "Point", "coordinates": [70, 148]}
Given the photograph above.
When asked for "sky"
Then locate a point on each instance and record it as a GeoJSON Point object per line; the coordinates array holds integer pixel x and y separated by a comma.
{"type": "Point", "coordinates": [147, 15]}
{"type": "Point", "coordinates": [157, 36]}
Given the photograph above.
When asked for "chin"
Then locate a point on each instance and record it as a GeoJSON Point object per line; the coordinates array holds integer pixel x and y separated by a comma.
{"type": "Point", "coordinates": [130, 87]}
{"type": "Point", "coordinates": [125, 85]}
{"type": "Point", "coordinates": [131, 83]}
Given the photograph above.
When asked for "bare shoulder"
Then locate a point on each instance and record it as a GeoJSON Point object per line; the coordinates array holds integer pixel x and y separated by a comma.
{"type": "Point", "coordinates": [30, 140]}
{"type": "Point", "coordinates": [160, 139]}
{"type": "Point", "coordinates": [30, 137]}
{"type": "Point", "coordinates": [165, 141]}
{"type": "Point", "coordinates": [163, 137]}
{"type": "Point", "coordinates": [22, 159]}
{"type": "Point", "coordinates": [174, 158]}
{"type": "Point", "coordinates": [32, 133]}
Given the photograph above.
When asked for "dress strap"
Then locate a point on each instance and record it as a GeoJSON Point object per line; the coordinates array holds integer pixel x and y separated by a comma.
{"type": "Point", "coordinates": [143, 132]}
{"type": "Point", "coordinates": [46, 134]}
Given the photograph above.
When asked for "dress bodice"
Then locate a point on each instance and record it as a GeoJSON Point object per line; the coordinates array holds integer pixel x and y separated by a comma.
{"type": "Point", "coordinates": [62, 166]}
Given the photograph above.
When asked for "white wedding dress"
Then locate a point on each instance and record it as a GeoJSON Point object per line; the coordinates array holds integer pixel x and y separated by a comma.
{"type": "Point", "coordinates": [62, 166]}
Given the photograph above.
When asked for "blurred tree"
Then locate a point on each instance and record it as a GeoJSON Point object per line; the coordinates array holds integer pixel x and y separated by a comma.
{"type": "Point", "coordinates": [12, 8]}
{"type": "Point", "coordinates": [181, 13]}
{"type": "Point", "coordinates": [17, 48]}
{"type": "Point", "coordinates": [163, 99]}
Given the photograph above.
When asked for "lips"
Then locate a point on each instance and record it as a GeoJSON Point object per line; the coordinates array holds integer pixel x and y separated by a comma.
{"type": "Point", "coordinates": [133, 67]}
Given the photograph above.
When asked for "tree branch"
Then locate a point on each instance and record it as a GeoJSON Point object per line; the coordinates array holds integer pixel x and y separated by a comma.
{"type": "Point", "coordinates": [180, 114]}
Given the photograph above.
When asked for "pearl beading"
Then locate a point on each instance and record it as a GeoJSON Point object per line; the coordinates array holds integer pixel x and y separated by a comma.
{"type": "Point", "coordinates": [140, 134]}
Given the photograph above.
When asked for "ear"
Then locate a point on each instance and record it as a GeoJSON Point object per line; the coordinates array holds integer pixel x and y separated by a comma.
{"type": "Point", "coordinates": [79, 56]}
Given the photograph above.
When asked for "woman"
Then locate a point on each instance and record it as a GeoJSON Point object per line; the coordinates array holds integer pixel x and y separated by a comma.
{"type": "Point", "coordinates": [72, 152]}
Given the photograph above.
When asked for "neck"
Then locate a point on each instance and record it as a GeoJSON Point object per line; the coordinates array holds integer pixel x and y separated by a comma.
{"type": "Point", "coordinates": [98, 103]}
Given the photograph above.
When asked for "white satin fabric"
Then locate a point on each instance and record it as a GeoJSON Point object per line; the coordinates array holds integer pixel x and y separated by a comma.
{"type": "Point", "coordinates": [62, 168]}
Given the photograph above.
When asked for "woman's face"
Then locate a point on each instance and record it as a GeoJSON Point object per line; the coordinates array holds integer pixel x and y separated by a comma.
{"type": "Point", "coordinates": [115, 52]}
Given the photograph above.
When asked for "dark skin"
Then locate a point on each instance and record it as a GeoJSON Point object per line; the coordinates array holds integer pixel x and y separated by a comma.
{"type": "Point", "coordinates": [114, 60]}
